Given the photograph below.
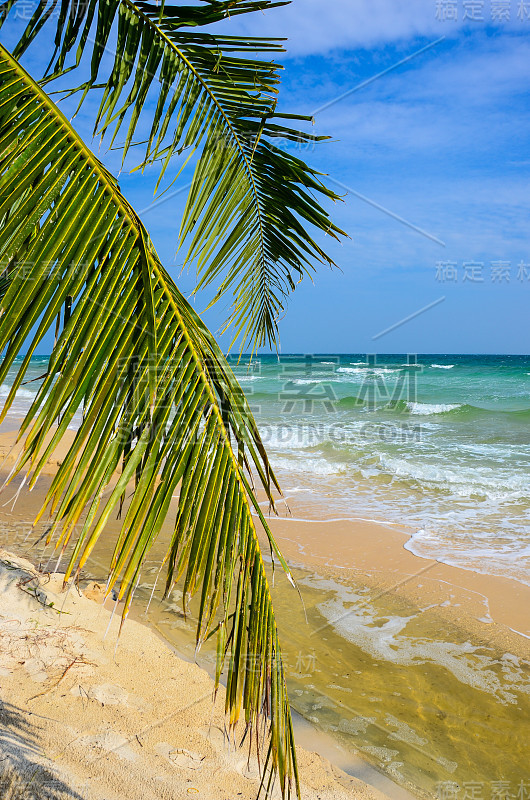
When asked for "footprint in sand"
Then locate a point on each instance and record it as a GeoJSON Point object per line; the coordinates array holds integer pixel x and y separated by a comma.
{"type": "Point", "coordinates": [108, 740]}
{"type": "Point", "coordinates": [238, 761]}
{"type": "Point", "coordinates": [33, 667]}
{"type": "Point", "coordinates": [215, 736]}
{"type": "Point", "coordinates": [179, 756]}
{"type": "Point", "coordinates": [94, 592]}
{"type": "Point", "coordinates": [109, 694]}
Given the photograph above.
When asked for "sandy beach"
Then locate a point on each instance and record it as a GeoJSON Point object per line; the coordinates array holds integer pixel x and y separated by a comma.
{"type": "Point", "coordinates": [154, 732]}
{"type": "Point", "coordinates": [86, 716]}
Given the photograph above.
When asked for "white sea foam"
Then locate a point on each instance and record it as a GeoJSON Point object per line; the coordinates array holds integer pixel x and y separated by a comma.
{"type": "Point", "coordinates": [426, 409]}
{"type": "Point", "coordinates": [442, 366]}
{"type": "Point", "coordinates": [368, 369]}
{"type": "Point", "coordinates": [21, 393]}
{"type": "Point", "coordinates": [470, 481]}
{"type": "Point", "coordinates": [314, 466]}
{"type": "Point", "coordinates": [386, 636]}
{"type": "Point", "coordinates": [313, 381]}
{"type": "Point", "coordinates": [467, 553]}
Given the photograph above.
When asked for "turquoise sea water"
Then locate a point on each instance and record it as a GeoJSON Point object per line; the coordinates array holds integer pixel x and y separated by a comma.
{"type": "Point", "coordinates": [438, 443]}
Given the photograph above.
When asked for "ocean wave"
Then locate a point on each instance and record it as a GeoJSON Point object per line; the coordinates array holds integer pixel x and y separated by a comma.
{"type": "Point", "coordinates": [442, 366]}
{"type": "Point", "coordinates": [21, 393]}
{"type": "Point", "coordinates": [313, 466]}
{"type": "Point", "coordinates": [368, 369]}
{"type": "Point", "coordinates": [463, 482]}
{"type": "Point", "coordinates": [427, 409]}
{"type": "Point", "coordinates": [313, 381]}
{"type": "Point", "coordinates": [350, 402]}
{"type": "Point", "coordinates": [464, 411]}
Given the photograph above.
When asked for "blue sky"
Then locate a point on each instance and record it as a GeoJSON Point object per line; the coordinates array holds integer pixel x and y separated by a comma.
{"type": "Point", "coordinates": [441, 141]}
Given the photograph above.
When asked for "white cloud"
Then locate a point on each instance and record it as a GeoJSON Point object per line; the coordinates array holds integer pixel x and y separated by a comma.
{"type": "Point", "coordinates": [319, 26]}
{"type": "Point", "coordinates": [440, 105]}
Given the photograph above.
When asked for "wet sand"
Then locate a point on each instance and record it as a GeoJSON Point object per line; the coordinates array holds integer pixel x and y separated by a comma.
{"type": "Point", "coordinates": [495, 607]}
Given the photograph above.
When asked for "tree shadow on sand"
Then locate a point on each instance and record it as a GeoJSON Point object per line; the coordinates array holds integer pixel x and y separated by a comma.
{"type": "Point", "coordinates": [23, 776]}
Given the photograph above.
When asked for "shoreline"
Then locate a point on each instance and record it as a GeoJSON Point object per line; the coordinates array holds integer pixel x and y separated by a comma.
{"type": "Point", "coordinates": [406, 529]}
{"type": "Point", "coordinates": [348, 770]}
{"type": "Point", "coordinates": [376, 552]}
{"type": "Point", "coordinates": [307, 735]}
{"type": "Point", "coordinates": [373, 581]}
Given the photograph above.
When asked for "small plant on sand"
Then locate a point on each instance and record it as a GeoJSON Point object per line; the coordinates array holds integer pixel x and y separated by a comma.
{"type": "Point", "coordinates": [161, 412]}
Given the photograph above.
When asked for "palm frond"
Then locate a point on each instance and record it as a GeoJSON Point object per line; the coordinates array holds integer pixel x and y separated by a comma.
{"type": "Point", "coordinates": [250, 204]}
{"type": "Point", "coordinates": [161, 410]}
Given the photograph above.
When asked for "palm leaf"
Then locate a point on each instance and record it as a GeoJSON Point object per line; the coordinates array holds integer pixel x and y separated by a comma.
{"type": "Point", "coordinates": [158, 401]}
{"type": "Point", "coordinates": [250, 203]}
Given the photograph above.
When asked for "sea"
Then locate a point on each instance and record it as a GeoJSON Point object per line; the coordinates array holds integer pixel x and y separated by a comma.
{"type": "Point", "coordinates": [437, 443]}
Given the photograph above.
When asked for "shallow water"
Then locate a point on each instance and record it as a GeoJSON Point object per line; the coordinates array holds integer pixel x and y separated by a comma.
{"type": "Point", "coordinates": [419, 699]}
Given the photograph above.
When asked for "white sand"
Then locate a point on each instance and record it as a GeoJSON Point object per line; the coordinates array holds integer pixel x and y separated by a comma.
{"type": "Point", "coordinates": [80, 718]}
